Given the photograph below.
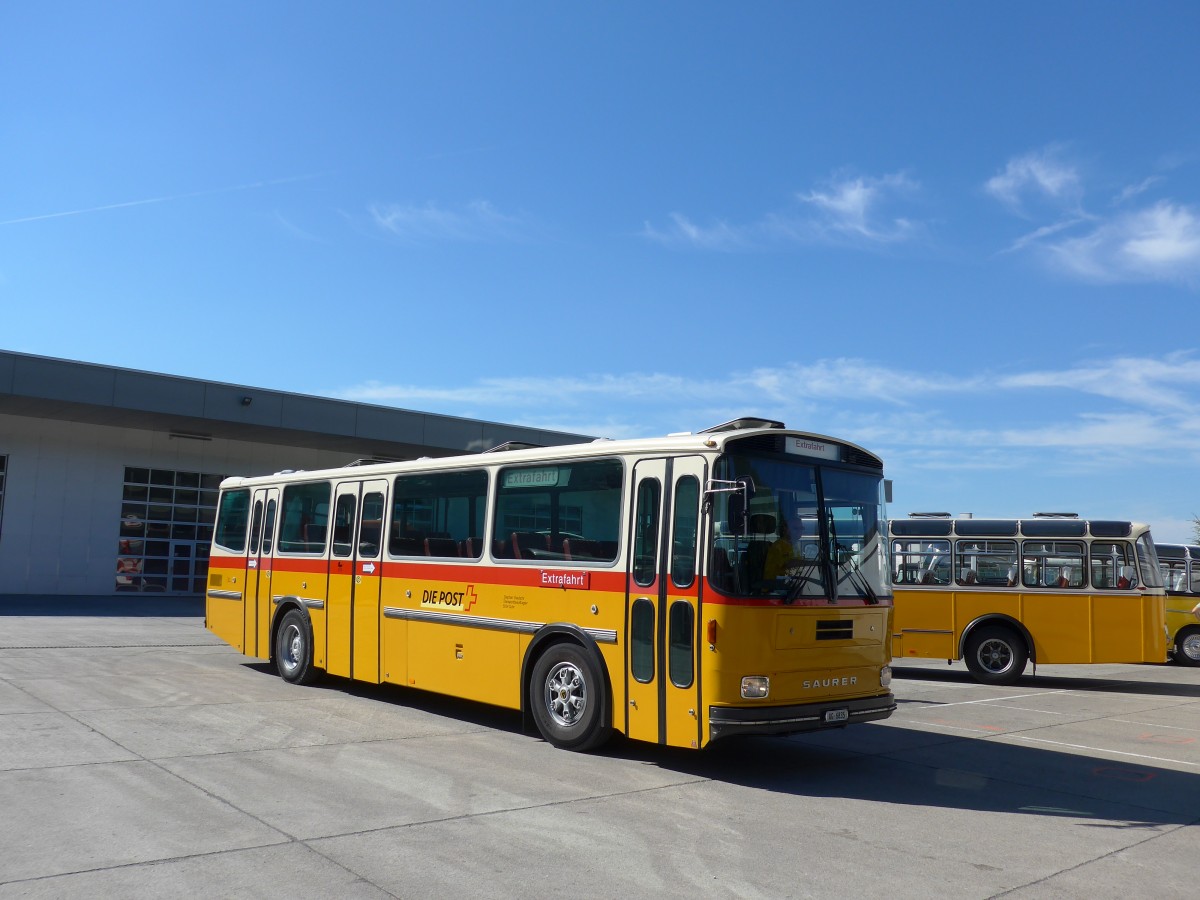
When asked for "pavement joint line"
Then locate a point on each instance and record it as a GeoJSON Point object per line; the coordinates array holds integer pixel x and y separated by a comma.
{"type": "Point", "coordinates": [145, 863]}
{"type": "Point", "coordinates": [1162, 759]}
{"type": "Point", "coordinates": [1000, 699]}
{"type": "Point", "coordinates": [1152, 724]}
{"type": "Point", "coordinates": [1088, 862]}
{"type": "Point", "coordinates": [549, 804]}
{"type": "Point", "coordinates": [99, 646]}
{"type": "Point", "coordinates": [221, 801]}
{"type": "Point", "coordinates": [1044, 712]}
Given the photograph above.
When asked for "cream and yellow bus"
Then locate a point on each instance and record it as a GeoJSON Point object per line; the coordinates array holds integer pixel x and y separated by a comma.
{"type": "Point", "coordinates": [1180, 565]}
{"type": "Point", "coordinates": [999, 593]}
{"type": "Point", "coordinates": [612, 586]}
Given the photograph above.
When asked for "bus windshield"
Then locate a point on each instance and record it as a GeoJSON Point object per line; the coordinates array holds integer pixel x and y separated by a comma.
{"type": "Point", "coordinates": [809, 532]}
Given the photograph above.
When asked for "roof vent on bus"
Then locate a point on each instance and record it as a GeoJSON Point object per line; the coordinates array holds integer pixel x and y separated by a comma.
{"type": "Point", "coordinates": [512, 445]}
{"type": "Point", "coordinates": [929, 515]}
{"type": "Point", "coordinates": [1055, 515]}
{"type": "Point", "coordinates": [373, 461]}
{"type": "Point", "coordinates": [744, 422]}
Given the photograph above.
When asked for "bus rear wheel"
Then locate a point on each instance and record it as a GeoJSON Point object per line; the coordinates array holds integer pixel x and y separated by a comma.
{"type": "Point", "coordinates": [996, 654]}
{"type": "Point", "coordinates": [566, 696]}
{"type": "Point", "coordinates": [294, 649]}
{"type": "Point", "coordinates": [1187, 646]}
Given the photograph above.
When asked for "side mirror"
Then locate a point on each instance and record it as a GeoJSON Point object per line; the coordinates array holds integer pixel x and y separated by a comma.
{"type": "Point", "coordinates": [737, 513]}
{"type": "Point", "coordinates": [739, 502]}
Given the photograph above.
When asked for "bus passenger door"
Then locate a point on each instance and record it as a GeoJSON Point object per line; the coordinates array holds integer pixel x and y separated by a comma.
{"type": "Point", "coordinates": [352, 610]}
{"type": "Point", "coordinates": [257, 605]}
{"type": "Point", "coordinates": [662, 613]}
{"type": "Point", "coordinates": [368, 581]}
{"type": "Point", "coordinates": [258, 575]}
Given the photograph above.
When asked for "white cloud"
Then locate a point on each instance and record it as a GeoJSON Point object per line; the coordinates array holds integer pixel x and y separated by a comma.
{"type": "Point", "coordinates": [476, 221]}
{"type": "Point", "coordinates": [852, 207]}
{"type": "Point", "coordinates": [684, 232]}
{"type": "Point", "coordinates": [959, 421]}
{"type": "Point", "coordinates": [1135, 190]}
{"type": "Point", "coordinates": [1036, 175]}
{"type": "Point", "coordinates": [1153, 383]}
{"type": "Point", "coordinates": [1159, 243]}
{"type": "Point", "coordinates": [847, 209]}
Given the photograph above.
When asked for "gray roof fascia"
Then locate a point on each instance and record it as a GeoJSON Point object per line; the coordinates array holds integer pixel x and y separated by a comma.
{"type": "Point", "coordinates": [44, 387]}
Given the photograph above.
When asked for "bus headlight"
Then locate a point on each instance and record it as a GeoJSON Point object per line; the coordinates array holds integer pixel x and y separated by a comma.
{"type": "Point", "coordinates": [885, 676]}
{"type": "Point", "coordinates": [755, 687]}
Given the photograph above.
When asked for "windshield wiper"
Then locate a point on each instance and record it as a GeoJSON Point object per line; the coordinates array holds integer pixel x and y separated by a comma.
{"type": "Point", "coordinates": [856, 578]}
{"type": "Point", "coordinates": [797, 578]}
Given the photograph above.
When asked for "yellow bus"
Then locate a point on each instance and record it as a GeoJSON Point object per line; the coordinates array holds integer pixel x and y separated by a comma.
{"type": "Point", "coordinates": [998, 593]}
{"type": "Point", "coordinates": [1180, 565]}
{"type": "Point", "coordinates": [612, 586]}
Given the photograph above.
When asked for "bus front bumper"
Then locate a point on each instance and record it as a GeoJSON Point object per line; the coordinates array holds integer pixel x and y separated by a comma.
{"type": "Point", "coordinates": [724, 721]}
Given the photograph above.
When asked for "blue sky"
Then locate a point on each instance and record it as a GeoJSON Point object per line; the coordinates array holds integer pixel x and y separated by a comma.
{"type": "Point", "coordinates": [964, 235]}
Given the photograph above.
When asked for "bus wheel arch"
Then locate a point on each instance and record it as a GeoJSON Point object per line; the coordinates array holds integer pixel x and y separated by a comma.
{"type": "Point", "coordinates": [292, 643]}
{"type": "Point", "coordinates": [565, 689]}
{"type": "Point", "coordinates": [996, 649]}
{"type": "Point", "coordinates": [1186, 649]}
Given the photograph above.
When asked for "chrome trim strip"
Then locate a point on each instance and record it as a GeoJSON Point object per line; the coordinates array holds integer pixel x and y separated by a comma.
{"type": "Point", "coordinates": [740, 722]}
{"type": "Point", "coordinates": [516, 626]}
{"type": "Point", "coordinates": [875, 711]}
{"type": "Point", "coordinates": [311, 604]}
{"type": "Point", "coordinates": [924, 631]}
{"type": "Point", "coordinates": [226, 595]}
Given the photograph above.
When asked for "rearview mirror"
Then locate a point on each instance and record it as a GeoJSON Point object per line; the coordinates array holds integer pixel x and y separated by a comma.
{"type": "Point", "coordinates": [739, 502]}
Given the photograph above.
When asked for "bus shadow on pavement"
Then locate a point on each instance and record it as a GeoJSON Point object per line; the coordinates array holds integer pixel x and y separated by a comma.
{"type": "Point", "coordinates": [874, 762]}
{"type": "Point", "coordinates": [923, 770]}
{"type": "Point", "coordinates": [472, 712]}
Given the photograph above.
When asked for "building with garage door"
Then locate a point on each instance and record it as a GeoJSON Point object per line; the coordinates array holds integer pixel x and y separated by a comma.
{"type": "Point", "coordinates": [109, 476]}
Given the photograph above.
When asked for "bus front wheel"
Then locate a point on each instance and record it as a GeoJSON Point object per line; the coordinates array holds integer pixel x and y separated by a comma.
{"type": "Point", "coordinates": [1187, 646]}
{"type": "Point", "coordinates": [294, 649]}
{"type": "Point", "coordinates": [566, 694]}
{"type": "Point", "coordinates": [996, 655]}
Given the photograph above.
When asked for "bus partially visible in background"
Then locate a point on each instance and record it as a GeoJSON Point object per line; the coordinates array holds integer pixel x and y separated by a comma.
{"type": "Point", "coordinates": [999, 593]}
{"type": "Point", "coordinates": [1180, 564]}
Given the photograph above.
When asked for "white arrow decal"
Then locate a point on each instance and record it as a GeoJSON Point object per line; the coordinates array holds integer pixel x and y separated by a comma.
{"type": "Point", "coordinates": [368, 568]}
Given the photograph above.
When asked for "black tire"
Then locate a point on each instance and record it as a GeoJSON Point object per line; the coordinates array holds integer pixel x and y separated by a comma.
{"type": "Point", "coordinates": [567, 699]}
{"type": "Point", "coordinates": [1186, 651]}
{"type": "Point", "coordinates": [996, 654]}
{"type": "Point", "coordinates": [294, 649]}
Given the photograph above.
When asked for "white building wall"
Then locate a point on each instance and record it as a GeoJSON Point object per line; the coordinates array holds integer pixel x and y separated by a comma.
{"type": "Point", "coordinates": [62, 494]}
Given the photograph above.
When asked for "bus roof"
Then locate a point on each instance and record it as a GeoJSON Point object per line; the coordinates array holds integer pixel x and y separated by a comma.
{"type": "Point", "coordinates": [763, 436]}
{"type": "Point", "coordinates": [1060, 526]}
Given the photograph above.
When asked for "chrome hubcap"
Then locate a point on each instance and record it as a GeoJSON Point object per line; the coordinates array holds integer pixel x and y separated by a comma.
{"type": "Point", "coordinates": [293, 647]}
{"type": "Point", "coordinates": [1191, 646]}
{"type": "Point", "coordinates": [566, 694]}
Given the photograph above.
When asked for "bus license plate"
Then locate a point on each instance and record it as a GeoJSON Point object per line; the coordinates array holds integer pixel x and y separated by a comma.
{"type": "Point", "coordinates": [836, 715]}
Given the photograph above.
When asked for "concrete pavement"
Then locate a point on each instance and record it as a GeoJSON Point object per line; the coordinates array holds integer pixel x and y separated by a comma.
{"type": "Point", "coordinates": [140, 756]}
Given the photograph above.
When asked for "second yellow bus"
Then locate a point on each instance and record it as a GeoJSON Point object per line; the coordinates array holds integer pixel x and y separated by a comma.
{"type": "Point", "coordinates": [999, 593]}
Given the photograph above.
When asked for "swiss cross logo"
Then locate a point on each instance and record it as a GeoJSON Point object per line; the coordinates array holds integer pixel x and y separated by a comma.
{"type": "Point", "coordinates": [471, 598]}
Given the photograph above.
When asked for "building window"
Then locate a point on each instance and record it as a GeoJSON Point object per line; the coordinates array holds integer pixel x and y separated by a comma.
{"type": "Point", "coordinates": [3, 470]}
{"type": "Point", "coordinates": [165, 531]}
